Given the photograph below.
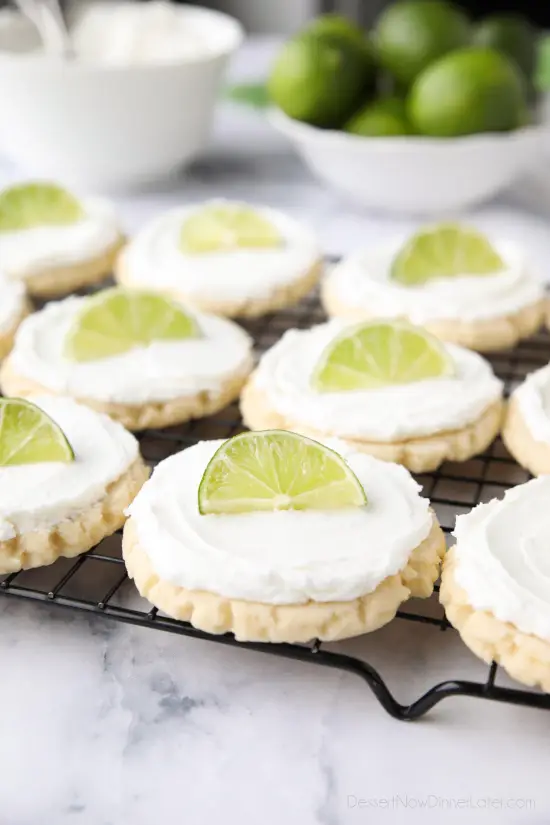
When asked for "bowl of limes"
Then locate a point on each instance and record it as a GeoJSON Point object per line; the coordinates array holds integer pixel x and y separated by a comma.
{"type": "Point", "coordinates": [427, 112]}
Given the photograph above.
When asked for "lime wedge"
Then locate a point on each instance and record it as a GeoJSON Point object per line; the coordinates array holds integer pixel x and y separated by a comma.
{"type": "Point", "coordinates": [29, 436]}
{"type": "Point", "coordinates": [277, 470]}
{"type": "Point", "coordinates": [445, 251]}
{"type": "Point", "coordinates": [378, 354]}
{"type": "Point", "coordinates": [116, 321]}
{"type": "Point", "coordinates": [37, 204]}
{"type": "Point", "coordinates": [225, 227]}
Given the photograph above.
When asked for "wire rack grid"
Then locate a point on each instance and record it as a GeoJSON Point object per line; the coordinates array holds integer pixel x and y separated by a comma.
{"type": "Point", "coordinates": [102, 580]}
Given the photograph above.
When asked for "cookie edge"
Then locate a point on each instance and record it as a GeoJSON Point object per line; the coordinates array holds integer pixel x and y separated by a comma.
{"type": "Point", "coordinates": [135, 417]}
{"type": "Point", "coordinates": [259, 622]}
{"type": "Point", "coordinates": [419, 455]}
{"type": "Point", "coordinates": [489, 335]}
{"type": "Point", "coordinates": [525, 657]}
{"type": "Point", "coordinates": [79, 533]}
{"type": "Point", "coordinates": [283, 296]}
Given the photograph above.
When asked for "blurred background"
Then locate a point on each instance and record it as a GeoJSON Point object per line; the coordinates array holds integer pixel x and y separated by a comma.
{"type": "Point", "coordinates": [284, 16]}
{"type": "Point", "coordinates": [402, 106]}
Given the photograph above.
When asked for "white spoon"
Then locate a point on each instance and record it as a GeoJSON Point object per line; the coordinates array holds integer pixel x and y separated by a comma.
{"type": "Point", "coordinates": [50, 22]}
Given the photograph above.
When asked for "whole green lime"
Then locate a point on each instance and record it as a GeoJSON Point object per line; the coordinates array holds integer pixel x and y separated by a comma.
{"type": "Point", "coordinates": [340, 26]}
{"type": "Point", "coordinates": [393, 104]}
{"type": "Point", "coordinates": [411, 34]}
{"type": "Point", "coordinates": [511, 34]}
{"type": "Point", "coordinates": [542, 68]}
{"type": "Point", "coordinates": [380, 118]}
{"type": "Point", "coordinates": [468, 91]}
{"type": "Point", "coordinates": [336, 24]}
{"type": "Point", "coordinates": [318, 78]}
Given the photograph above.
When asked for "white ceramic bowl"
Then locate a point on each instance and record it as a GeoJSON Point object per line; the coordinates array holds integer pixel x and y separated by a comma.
{"type": "Point", "coordinates": [414, 175]}
{"type": "Point", "coordinates": [106, 126]}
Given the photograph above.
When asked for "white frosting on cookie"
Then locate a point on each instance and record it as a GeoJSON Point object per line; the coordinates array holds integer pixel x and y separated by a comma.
{"type": "Point", "coordinates": [39, 496]}
{"type": "Point", "coordinates": [363, 281]}
{"type": "Point", "coordinates": [282, 557]}
{"type": "Point", "coordinates": [533, 399]}
{"type": "Point", "coordinates": [503, 562]}
{"type": "Point", "coordinates": [383, 414]}
{"type": "Point", "coordinates": [153, 259]}
{"type": "Point", "coordinates": [158, 372]}
{"type": "Point", "coordinates": [12, 303]}
{"type": "Point", "coordinates": [28, 252]}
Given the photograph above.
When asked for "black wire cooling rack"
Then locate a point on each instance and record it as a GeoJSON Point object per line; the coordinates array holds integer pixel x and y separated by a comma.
{"type": "Point", "coordinates": [97, 582]}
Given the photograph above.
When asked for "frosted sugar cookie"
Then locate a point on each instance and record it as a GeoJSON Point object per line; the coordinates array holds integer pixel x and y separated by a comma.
{"type": "Point", "coordinates": [384, 387]}
{"type": "Point", "coordinates": [448, 278]}
{"type": "Point", "coordinates": [224, 257]}
{"type": "Point", "coordinates": [526, 430]}
{"type": "Point", "coordinates": [274, 537]}
{"type": "Point", "coordinates": [66, 475]}
{"type": "Point", "coordinates": [137, 356]}
{"type": "Point", "coordinates": [54, 243]}
{"type": "Point", "coordinates": [496, 582]}
{"type": "Point", "coordinates": [13, 308]}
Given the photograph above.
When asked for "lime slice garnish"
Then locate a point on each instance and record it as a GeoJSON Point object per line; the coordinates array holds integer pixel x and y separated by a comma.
{"type": "Point", "coordinates": [117, 320]}
{"type": "Point", "coordinates": [28, 205]}
{"type": "Point", "coordinates": [226, 227]}
{"type": "Point", "coordinates": [380, 353]}
{"type": "Point", "coordinates": [277, 470]}
{"type": "Point", "coordinates": [29, 436]}
{"type": "Point", "coordinates": [445, 251]}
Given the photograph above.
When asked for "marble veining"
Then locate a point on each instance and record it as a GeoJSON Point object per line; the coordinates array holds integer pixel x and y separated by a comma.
{"type": "Point", "coordinates": [107, 724]}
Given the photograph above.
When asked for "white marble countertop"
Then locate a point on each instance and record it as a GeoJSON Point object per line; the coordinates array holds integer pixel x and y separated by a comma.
{"type": "Point", "coordinates": [106, 724]}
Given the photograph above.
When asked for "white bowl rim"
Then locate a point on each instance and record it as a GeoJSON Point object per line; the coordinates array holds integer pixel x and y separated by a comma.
{"type": "Point", "coordinates": [409, 143]}
{"type": "Point", "coordinates": [34, 60]}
